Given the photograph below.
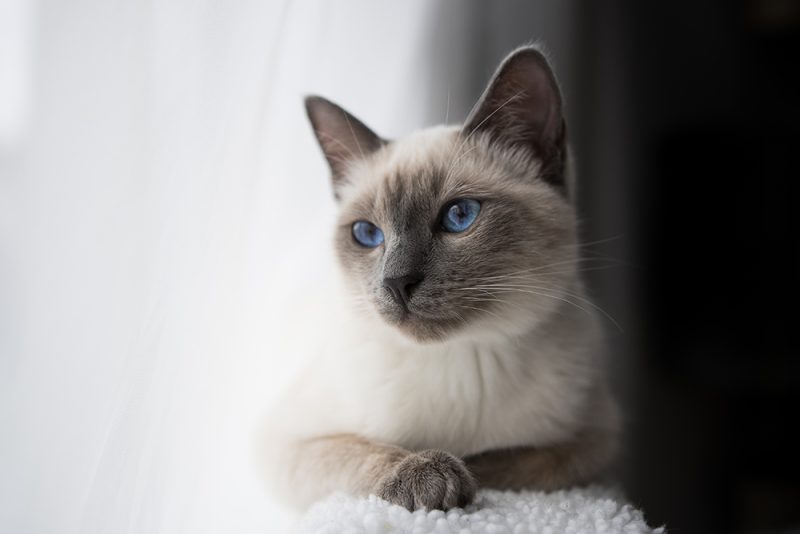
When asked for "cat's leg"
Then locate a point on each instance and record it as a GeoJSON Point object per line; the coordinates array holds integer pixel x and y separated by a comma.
{"type": "Point", "coordinates": [347, 462]}
{"type": "Point", "coordinates": [579, 461]}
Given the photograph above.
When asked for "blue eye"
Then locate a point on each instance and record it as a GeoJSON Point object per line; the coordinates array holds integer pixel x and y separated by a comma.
{"type": "Point", "coordinates": [367, 234]}
{"type": "Point", "coordinates": [460, 214]}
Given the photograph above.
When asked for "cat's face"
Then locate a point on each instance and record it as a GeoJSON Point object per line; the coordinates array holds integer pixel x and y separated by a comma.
{"type": "Point", "coordinates": [456, 231]}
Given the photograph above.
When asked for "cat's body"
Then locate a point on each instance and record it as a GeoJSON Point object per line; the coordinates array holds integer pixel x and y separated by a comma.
{"type": "Point", "coordinates": [484, 360]}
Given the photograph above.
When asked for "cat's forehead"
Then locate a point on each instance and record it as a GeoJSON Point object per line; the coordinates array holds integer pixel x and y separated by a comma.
{"type": "Point", "coordinates": [404, 175]}
{"type": "Point", "coordinates": [402, 162]}
{"type": "Point", "coordinates": [422, 149]}
{"type": "Point", "coordinates": [431, 166]}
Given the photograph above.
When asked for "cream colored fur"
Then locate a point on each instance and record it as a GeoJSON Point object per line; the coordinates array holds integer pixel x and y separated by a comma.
{"type": "Point", "coordinates": [497, 385]}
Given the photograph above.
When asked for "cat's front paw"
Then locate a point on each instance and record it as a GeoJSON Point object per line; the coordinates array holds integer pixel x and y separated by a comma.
{"type": "Point", "coordinates": [429, 479]}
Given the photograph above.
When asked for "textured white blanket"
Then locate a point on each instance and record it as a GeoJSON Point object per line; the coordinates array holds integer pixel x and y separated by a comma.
{"type": "Point", "coordinates": [577, 511]}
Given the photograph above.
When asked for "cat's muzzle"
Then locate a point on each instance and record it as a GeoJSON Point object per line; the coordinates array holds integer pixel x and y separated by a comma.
{"type": "Point", "coordinates": [401, 288]}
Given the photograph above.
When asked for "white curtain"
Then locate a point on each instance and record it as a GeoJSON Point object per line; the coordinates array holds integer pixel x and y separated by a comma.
{"type": "Point", "coordinates": [160, 197]}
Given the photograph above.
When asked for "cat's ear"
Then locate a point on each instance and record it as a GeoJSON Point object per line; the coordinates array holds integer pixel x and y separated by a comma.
{"type": "Point", "coordinates": [521, 107]}
{"type": "Point", "coordinates": [342, 137]}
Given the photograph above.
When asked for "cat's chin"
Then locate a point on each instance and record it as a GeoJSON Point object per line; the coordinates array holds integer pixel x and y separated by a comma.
{"type": "Point", "coordinates": [417, 326]}
{"type": "Point", "coordinates": [426, 332]}
{"type": "Point", "coordinates": [423, 329]}
{"type": "Point", "coordinates": [419, 329]}
{"type": "Point", "coordinates": [413, 327]}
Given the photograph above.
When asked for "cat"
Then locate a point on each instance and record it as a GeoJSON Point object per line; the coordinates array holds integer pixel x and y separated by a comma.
{"type": "Point", "coordinates": [459, 351]}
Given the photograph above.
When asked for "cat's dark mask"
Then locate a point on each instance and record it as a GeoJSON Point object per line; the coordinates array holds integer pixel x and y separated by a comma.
{"type": "Point", "coordinates": [458, 230]}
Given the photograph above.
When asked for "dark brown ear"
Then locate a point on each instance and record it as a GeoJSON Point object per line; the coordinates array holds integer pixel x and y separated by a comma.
{"type": "Point", "coordinates": [342, 137]}
{"type": "Point", "coordinates": [521, 107]}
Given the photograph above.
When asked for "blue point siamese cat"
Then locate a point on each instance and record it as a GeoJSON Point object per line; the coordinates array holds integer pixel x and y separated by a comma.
{"type": "Point", "coordinates": [461, 351]}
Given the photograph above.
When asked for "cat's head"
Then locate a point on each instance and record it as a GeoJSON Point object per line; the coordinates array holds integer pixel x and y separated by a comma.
{"type": "Point", "coordinates": [458, 230]}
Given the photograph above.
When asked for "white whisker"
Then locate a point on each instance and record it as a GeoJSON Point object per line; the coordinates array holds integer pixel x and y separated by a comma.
{"type": "Point", "coordinates": [483, 310]}
{"type": "Point", "coordinates": [461, 144]}
{"type": "Point", "coordinates": [350, 126]}
{"type": "Point", "coordinates": [537, 290]}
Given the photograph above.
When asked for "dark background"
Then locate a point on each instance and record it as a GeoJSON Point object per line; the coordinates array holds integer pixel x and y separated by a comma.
{"type": "Point", "coordinates": [684, 120]}
{"type": "Point", "coordinates": [687, 142]}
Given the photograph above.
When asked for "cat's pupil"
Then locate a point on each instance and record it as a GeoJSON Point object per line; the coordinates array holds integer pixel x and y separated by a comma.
{"type": "Point", "coordinates": [367, 234]}
{"type": "Point", "coordinates": [460, 215]}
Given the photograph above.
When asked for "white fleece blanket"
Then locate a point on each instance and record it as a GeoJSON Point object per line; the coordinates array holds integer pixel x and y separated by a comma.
{"type": "Point", "coordinates": [576, 511]}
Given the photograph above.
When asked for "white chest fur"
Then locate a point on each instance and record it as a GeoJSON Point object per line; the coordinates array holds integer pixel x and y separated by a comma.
{"type": "Point", "coordinates": [464, 396]}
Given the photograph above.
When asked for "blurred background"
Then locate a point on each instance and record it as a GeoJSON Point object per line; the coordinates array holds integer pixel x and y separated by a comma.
{"type": "Point", "coordinates": [161, 194]}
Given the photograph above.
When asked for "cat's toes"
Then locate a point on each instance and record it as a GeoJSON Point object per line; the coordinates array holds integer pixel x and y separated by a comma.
{"type": "Point", "coordinates": [429, 479]}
